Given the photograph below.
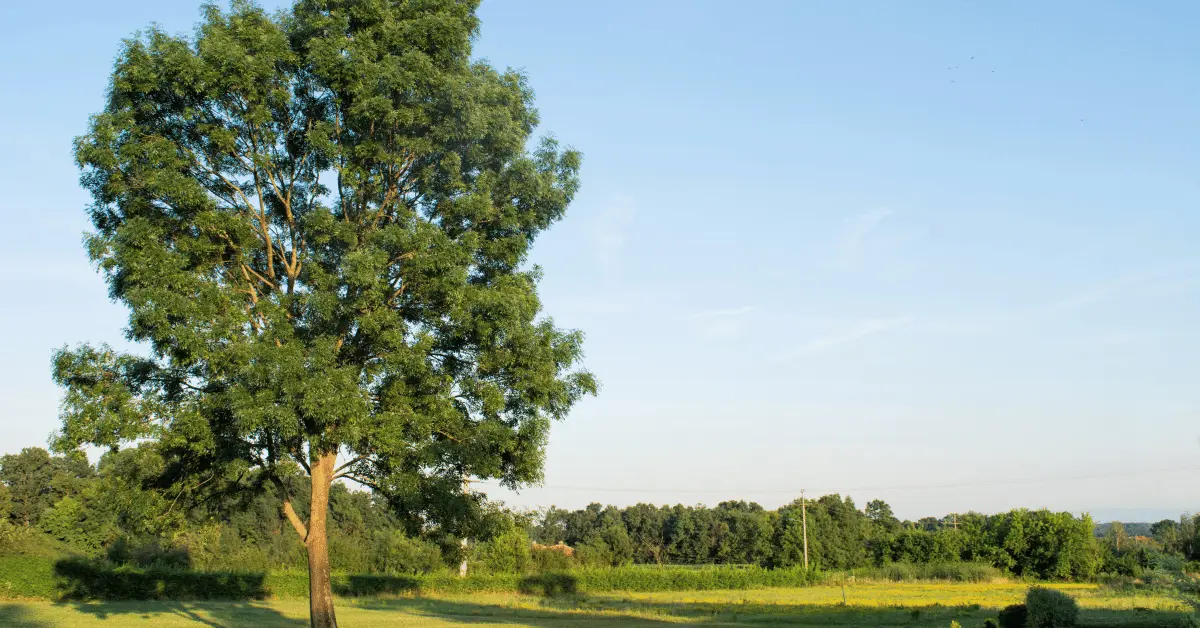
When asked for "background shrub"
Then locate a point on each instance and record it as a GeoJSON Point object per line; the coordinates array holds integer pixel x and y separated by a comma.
{"type": "Point", "coordinates": [396, 553]}
{"type": "Point", "coordinates": [1049, 608]}
{"type": "Point", "coordinates": [546, 559]}
{"type": "Point", "coordinates": [507, 551]}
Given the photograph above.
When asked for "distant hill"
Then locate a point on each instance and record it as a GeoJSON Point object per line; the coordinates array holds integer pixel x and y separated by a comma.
{"type": "Point", "coordinates": [1132, 529]}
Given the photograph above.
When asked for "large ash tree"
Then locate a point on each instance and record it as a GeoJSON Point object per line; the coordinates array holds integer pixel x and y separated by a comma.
{"type": "Point", "coordinates": [319, 221]}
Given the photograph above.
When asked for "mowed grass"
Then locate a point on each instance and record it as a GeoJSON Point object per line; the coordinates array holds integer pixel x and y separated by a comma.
{"type": "Point", "coordinates": [881, 604]}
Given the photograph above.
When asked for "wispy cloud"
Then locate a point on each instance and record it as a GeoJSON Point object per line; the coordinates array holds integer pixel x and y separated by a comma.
{"type": "Point", "coordinates": [1121, 284]}
{"type": "Point", "coordinates": [1148, 284]}
{"type": "Point", "coordinates": [848, 335]}
{"type": "Point", "coordinates": [723, 323]}
{"type": "Point", "coordinates": [737, 311]}
{"type": "Point", "coordinates": [857, 228]}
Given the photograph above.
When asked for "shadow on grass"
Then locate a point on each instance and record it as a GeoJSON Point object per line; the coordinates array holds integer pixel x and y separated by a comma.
{"type": "Point", "coordinates": [222, 614]}
{"type": "Point", "coordinates": [18, 616]}
{"type": "Point", "coordinates": [102, 590]}
{"type": "Point", "coordinates": [577, 609]}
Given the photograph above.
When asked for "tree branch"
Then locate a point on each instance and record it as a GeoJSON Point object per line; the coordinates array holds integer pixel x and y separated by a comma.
{"type": "Point", "coordinates": [303, 464]}
{"type": "Point", "coordinates": [359, 480]}
{"type": "Point", "coordinates": [289, 511]}
{"type": "Point", "coordinates": [349, 464]}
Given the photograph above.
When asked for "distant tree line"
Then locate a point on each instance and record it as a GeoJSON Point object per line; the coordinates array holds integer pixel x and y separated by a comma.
{"type": "Point", "coordinates": [116, 510]}
{"type": "Point", "coordinates": [1040, 544]}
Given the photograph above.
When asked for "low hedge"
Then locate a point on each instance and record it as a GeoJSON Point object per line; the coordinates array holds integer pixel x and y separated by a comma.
{"type": "Point", "coordinates": [27, 576]}
{"type": "Point", "coordinates": [39, 577]}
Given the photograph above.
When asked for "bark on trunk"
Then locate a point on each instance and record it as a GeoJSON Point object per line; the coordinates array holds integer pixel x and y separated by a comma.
{"type": "Point", "coordinates": [320, 591]}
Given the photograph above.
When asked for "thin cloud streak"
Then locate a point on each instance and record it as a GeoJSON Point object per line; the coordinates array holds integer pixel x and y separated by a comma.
{"type": "Point", "coordinates": [1122, 283]}
{"type": "Point", "coordinates": [726, 323]}
{"type": "Point", "coordinates": [856, 229]}
{"type": "Point", "coordinates": [860, 331]}
{"type": "Point", "coordinates": [739, 311]}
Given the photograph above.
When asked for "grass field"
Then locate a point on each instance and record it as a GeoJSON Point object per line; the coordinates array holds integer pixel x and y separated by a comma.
{"type": "Point", "coordinates": [908, 604]}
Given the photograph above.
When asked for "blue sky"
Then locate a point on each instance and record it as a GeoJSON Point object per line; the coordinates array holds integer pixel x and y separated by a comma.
{"type": "Point", "coordinates": [886, 247]}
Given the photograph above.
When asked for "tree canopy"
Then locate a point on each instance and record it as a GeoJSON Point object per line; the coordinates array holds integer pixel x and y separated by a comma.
{"type": "Point", "coordinates": [319, 221]}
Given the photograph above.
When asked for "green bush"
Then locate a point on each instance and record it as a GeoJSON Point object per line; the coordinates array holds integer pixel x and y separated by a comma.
{"type": "Point", "coordinates": [990, 623]}
{"type": "Point", "coordinates": [545, 559]}
{"type": "Point", "coordinates": [76, 523]}
{"type": "Point", "coordinates": [396, 553]}
{"type": "Point", "coordinates": [1049, 608]}
{"type": "Point", "coordinates": [594, 553]}
{"type": "Point", "coordinates": [508, 551]}
{"type": "Point", "coordinates": [1014, 616]}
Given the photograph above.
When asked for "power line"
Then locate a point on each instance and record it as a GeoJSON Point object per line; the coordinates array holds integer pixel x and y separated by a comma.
{"type": "Point", "coordinates": [854, 489]}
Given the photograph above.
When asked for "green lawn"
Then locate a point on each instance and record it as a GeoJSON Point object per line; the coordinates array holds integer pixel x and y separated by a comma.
{"type": "Point", "coordinates": [917, 604]}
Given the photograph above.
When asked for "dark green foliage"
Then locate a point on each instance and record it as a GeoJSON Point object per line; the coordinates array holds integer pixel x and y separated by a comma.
{"type": "Point", "coordinates": [990, 623]}
{"type": "Point", "coordinates": [396, 553]}
{"type": "Point", "coordinates": [86, 579]}
{"type": "Point", "coordinates": [117, 510]}
{"type": "Point", "coordinates": [80, 524]}
{"type": "Point", "coordinates": [1014, 616]}
{"type": "Point", "coordinates": [149, 554]}
{"type": "Point", "coordinates": [365, 585]}
{"type": "Point", "coordinates": [550, 560]}
{"type": "Point", "coordinates": [36, 480]}
{"type": "Point", "coordinates": [506, 550]}
{"type": "Point", "coordinates": [1035, 544]}
{"type": "Point", "coordinates": [1049, 608]}
{"type": "Point", "coordinates": [549, 584]}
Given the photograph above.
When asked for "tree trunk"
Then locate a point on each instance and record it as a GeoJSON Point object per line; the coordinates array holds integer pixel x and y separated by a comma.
{"type": "Point", "coordinates": [320, 590]}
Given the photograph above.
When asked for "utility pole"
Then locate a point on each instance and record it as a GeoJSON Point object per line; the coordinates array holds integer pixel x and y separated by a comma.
{"type": "Point", "coordinates": [462, 567]}
{"type": "Point", "coordinates": [804, 525]}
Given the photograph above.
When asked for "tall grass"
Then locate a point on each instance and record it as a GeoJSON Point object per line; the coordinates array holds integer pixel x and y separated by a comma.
{"type": "Point", "coordinates": [907, 572]}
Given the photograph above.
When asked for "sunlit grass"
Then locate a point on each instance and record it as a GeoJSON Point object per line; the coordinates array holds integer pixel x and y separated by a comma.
{"type": "Point", "coordinates": [866, 604]}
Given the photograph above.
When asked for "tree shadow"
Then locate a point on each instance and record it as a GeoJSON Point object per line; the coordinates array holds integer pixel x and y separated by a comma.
{"type": "Point", "coordinates": [464, 612]}
{"type": "Point", "coordinates": [223, 614]}
{"type": "Point", "coordinates": [601, 610]}
{"type": "Point", "coordinates": [17, 616]}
